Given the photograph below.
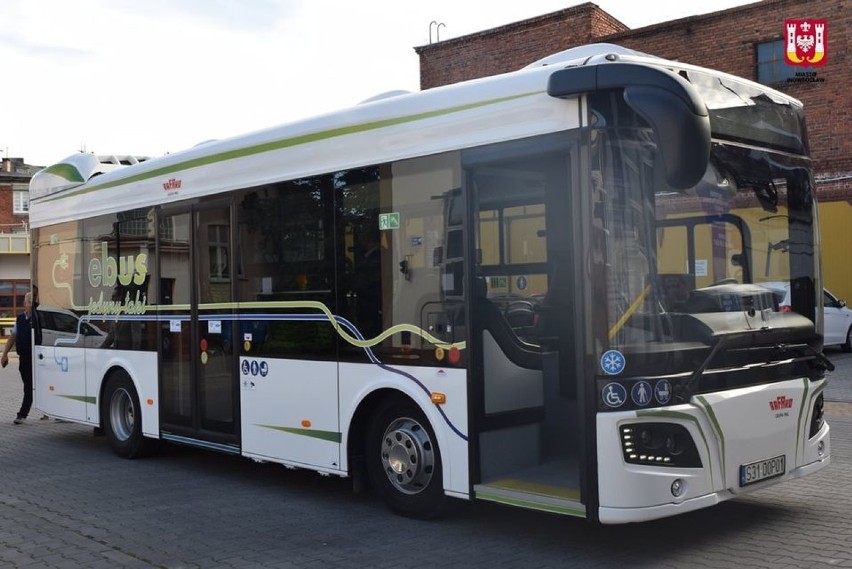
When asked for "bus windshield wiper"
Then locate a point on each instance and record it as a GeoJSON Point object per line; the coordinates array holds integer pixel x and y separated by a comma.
{"type": "Point", "coordinates": [685, 393]}
{"type": "Point", "coordinates": [821, 361]}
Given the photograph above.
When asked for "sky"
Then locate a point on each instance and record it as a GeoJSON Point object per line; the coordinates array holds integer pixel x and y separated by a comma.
{"type": "Point", "coordinates": [149, 77]}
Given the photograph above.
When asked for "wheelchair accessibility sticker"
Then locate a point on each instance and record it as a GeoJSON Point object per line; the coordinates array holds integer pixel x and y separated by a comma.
{"type": "Point", "coordinates": [614, 395]}
{"type": "Point", "coordinates": [254, 368]}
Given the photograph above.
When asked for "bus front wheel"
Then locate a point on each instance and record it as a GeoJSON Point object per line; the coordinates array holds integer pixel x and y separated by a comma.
{"type": "Point", "coordinates": [122, 418]}
{"type": "Point", "coordinates": [404, 461]}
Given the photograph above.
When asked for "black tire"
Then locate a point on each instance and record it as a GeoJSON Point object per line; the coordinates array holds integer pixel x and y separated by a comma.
{"type": "Point", "coordinates": [847, 346]}
{"type": "Point", "coordinates": [404, 461]}
{"type": "Point", "coordinates": [121, 416]}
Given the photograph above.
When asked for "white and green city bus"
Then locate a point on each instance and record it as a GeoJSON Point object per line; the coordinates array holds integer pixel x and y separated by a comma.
{"type": "Point", "coordinates": [540, 289]}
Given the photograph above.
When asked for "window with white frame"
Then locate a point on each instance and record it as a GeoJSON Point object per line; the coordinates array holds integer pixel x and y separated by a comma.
{"type": "Point", "coordinates": [20, 202]}
{"type": "Point", "coordinates": [218, 241]}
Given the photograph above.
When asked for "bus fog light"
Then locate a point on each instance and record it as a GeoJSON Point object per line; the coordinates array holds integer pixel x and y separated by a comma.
{"type": "Point", "coordinates": [821, 448]}
{"type": "Point", "coordinates": [678, 486]}
{"type": "Point", "coordinates": [658, 444]}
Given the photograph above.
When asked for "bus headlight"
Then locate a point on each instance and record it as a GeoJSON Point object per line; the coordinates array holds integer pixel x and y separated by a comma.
{"type": "Point", "coordinates": [659, 444]}
{"type": "Point", "coordinates": [817, 416]}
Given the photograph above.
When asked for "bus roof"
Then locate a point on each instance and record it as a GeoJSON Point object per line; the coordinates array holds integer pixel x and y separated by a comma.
{"type": "Point", "coordinates": [389, 127]}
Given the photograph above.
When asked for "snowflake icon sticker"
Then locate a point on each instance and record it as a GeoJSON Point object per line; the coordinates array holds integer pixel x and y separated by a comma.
{"type": "Point", "coordinates": [613, 362]}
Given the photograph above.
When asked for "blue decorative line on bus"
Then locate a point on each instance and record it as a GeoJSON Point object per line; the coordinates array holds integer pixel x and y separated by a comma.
{"type": "Point", "coordinates": [429, 393]}
{"type": "Point", "coordinates": [350, 327]}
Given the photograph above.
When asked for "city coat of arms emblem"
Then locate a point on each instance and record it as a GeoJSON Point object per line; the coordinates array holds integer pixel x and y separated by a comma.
{"type": "Point", "coordinates": [807, 42]}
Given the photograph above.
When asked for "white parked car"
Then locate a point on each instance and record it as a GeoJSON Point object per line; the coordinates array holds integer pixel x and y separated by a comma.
{"type": "Point", "coordinates": [837, 316]}
{"type": "Point", "coordinates": [61, 327]}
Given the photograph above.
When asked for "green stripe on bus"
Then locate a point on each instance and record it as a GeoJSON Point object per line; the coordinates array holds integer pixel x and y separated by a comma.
{"type": "Point", "coordinates": [715, 422]}
{"type": "Point", "coordinates": [66, 171]}
{"type": "Point", "coordinates": [533, 505]}
{"type": "Point", "coordinates": [805, 403]}
{"type": "Point", "coordinates": [81, 398]}
{"type": "Point", "coordinates": [286, 143]}
{"type": "Point", "coordinates": [717, 427]}
{"type": "Point", "coordinates": [537, 489]}
{"type": "Point", "coordinates": [331, 436]}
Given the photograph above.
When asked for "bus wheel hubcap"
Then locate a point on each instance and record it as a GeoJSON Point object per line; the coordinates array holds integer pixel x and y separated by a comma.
{"type": "Point", "coordinates": [121, 414]}
{"type": "Point", "coordinates": [408, 456]}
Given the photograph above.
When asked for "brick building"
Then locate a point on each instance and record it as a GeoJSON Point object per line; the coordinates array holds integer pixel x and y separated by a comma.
{"type": "Point", "coordinates": [14, 239]}
{"type": "Point", "coordinates": [746, 41]}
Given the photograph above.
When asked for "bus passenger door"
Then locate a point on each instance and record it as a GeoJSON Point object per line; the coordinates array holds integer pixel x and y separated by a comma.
{"type": "Point", "coordinates": [60, 363]}
{"type": "Point", "coordinates": [198, 370]}
{"type": "Point", "coordinates": [528, 420]}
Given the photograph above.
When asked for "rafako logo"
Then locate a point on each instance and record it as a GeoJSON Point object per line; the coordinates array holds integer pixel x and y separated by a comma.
{"type": "Point", "coordinates": [781, 403]}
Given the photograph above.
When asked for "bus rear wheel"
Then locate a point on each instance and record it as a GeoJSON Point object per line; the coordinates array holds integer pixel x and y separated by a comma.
{"type": "Point", "coordinates": [404, 461]}
{"type": "Point", "coordinates": [122, 418]}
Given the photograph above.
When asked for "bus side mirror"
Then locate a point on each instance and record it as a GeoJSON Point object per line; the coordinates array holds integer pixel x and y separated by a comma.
{"type": "Point", "coordinates": [667, 101]}
{"type": "Point", "coordinates": [683, 137]}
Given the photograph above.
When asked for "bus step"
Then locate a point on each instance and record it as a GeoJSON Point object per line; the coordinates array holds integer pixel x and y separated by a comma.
{"type": "Point", "coordinates": [553, 499]}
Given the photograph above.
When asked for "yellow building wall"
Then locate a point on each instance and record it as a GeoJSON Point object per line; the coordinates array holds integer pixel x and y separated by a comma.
{"type": "Point", "coordinates": [673, 252]}
{"type": "Point", "coordinates": [835, 220]}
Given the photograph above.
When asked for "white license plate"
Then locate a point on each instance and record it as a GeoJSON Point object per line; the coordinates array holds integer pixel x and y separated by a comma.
{"type": "Point", "coordinates": [762, 470]}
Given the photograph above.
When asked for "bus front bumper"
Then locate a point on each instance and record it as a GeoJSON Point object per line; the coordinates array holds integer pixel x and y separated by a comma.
{"type": "Point", "coordinates": [609, 515]}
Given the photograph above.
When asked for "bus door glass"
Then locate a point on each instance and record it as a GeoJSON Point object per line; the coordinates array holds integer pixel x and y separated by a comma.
{"type": "Point", "coordinates": [214, 320]}
{"type": "Point", "coordinates": [60, 364]}
{"type": "Point", "coordinates": [285, 264]}
{"type": "Point", "coordinates": [196, 335]}
{"type": "Point", "coordinates": [521, 309]}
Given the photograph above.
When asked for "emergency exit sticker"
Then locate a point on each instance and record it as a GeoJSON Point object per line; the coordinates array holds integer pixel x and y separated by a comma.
{"type": "Point", "coordinates": [389, 220]}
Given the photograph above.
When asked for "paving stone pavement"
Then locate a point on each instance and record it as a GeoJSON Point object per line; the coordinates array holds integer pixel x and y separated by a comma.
{"type": "Point", "coordinates": [840, 385]}
{"type": "Point", "coordinates": [66, 501]}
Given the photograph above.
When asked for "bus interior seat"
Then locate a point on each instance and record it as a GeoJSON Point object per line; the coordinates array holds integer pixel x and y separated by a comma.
{"type": "Point", "coordinates": [519, 352]}
{"type": "Point", "coordinates": [676, 288]}
{"type": "Point", "coordinates": [520, 314]}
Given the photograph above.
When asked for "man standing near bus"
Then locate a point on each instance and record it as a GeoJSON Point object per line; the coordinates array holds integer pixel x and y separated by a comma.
{"type": "Point", "coordinates": [21, 339]}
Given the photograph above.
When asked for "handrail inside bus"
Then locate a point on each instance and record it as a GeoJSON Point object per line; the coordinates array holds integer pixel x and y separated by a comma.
{"type": "Point", "coordinates": [616, 328]}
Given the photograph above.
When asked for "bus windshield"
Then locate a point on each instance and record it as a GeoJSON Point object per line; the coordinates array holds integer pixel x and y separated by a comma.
{"type": "Point", "coordinates": [734, 253]}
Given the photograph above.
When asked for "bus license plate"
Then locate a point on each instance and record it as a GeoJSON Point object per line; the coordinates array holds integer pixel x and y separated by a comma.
{"type": "Point", "coordinates": [762, 470]}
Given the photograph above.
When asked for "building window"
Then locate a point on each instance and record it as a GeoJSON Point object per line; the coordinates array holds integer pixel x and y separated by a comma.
{"type": "Point", "coordinates": [217, 239]}
{"type": "Point", "coordinates": [133, 223]}
{"type": "Point", "coordinates": [771, 67]}
{"type": "Point", "coordinates": [12, 298]}
{"type": "Point", "coordinates": [21, 202]}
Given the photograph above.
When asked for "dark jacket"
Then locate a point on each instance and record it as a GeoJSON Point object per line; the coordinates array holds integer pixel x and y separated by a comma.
{"type": "Point", "coordinates": [23, 335]}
